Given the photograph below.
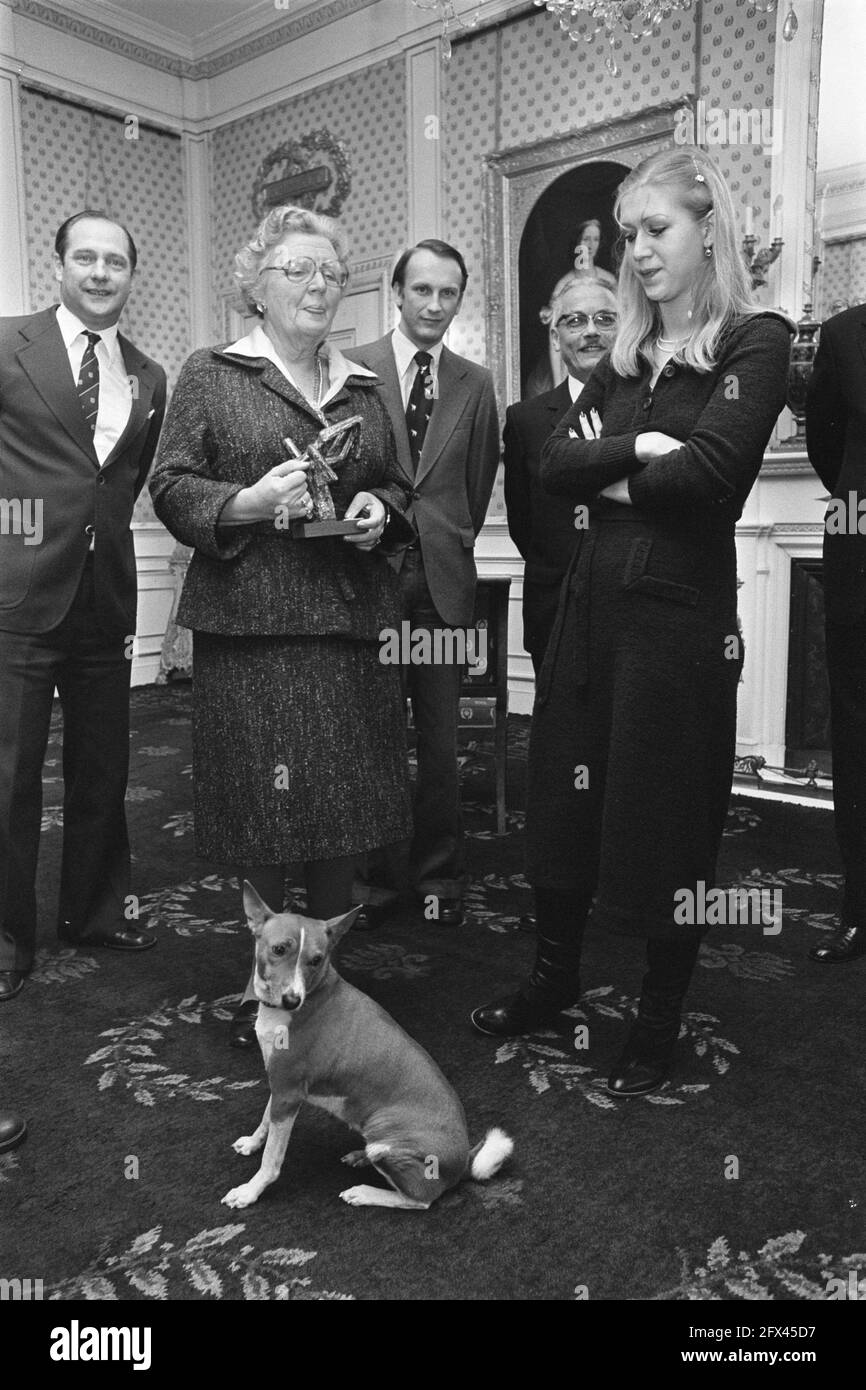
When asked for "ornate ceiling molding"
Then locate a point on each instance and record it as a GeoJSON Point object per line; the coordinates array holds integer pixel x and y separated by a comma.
{"type": "Point", "coordinates": [280, 31]}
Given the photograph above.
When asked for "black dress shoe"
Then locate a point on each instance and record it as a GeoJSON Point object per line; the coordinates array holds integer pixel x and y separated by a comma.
{"type": "Point", "coordinates": [645, 1062]}
{"type": "Point", "coordinates": [848, 943]}
{"type": "Point", "coordinates": [242, 1029]}
{"type": "Point", "coordinates": [123, 939]}
{"type": "Point", "coordinates": [373, 915]}
{"type": "Point", "coordinates": [13, 1130]}
{"type": "Point", "coordinates": [450, 912]}
{"type": "Point", "coordinates": [11, 983]}
{"type": "Point", "coordinates": [515, 1014]}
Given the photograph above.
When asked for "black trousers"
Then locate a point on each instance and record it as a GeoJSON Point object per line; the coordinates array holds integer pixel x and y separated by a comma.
{"type": "Point", "coordinates": [846, 666]}
{"type": "Point", "coordinates": [91, 671]}
{"type": "Point", "coordinates": [434, 863]}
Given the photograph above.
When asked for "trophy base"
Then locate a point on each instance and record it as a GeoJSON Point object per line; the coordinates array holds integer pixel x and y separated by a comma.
{"type": "Point", "coordinates": [309, 530]}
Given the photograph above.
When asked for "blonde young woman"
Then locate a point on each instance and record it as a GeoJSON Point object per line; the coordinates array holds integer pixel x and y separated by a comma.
{"type": "Point", "coordinates": [633, 733]}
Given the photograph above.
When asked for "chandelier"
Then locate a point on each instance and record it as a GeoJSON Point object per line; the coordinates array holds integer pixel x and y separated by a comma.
{"type": "Point", "coordinates": [638, 19]}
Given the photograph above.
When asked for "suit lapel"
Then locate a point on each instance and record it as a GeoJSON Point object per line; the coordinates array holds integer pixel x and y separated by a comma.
{"type": "Point", "coordinates": [380, 359]}
{"type": "Point", "coordinates": [453, 397]}
{"type": "Point", "coordinates": [45, 361]}
{"type": "Point", "coordinates": [143, 382]}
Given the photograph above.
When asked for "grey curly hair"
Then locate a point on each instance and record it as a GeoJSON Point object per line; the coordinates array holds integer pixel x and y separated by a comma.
{"type": "Point", "coordinates": [271, 230]}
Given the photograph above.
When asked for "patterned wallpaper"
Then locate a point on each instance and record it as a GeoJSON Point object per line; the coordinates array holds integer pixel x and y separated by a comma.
{"type": "Point", "coordinates": [843, 275]}
{"type": "Point", "coordinates": [75, 158]}
{"type": "Point", "coordinates": [550, 86]}
{"type": "Point", "coordinates": [366, 112]}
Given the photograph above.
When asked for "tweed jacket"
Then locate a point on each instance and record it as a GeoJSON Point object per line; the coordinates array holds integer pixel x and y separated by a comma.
{"type": "Point", "coordinates": [724, 418]}
{"type": "Point", "coordinates": [47, 454]}
{"type": "Point", "coordinates": [224, 430]}
{"type": "Point", "coordinates": [451, 489]}
{"type": "Point", "coordinates": [836, 441]}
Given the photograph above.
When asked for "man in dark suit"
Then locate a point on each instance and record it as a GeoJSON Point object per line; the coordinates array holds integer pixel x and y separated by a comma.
{"type": "Point", "coordinates": [836, 441]}
{"type": "Point", "coordinates": [80, 414]}
{"type": "Point", "coordinates": [543, 527]}
{"type": "Point", "coordinates": [443, 412]}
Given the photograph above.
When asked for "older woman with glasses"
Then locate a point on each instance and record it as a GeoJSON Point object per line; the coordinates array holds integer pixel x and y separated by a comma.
{"type": "Point", "coordinates": [298, 744]}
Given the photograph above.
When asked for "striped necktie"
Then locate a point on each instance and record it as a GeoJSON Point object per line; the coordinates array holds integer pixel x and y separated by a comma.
{"type": "Point", "coordinates": [88, 380]}
{"type": "Point", "coordinates": [419, 405]}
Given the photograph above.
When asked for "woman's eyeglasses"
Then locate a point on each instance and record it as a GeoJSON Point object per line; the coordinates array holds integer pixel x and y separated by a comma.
{"type": "Point", "coordinates": [605, 318]}
{"type": "Point", "coordinates": [301, 269]}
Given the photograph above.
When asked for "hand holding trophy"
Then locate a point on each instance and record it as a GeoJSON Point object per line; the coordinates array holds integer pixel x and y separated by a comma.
{"type": "Point", "coordinates": [332, 446]}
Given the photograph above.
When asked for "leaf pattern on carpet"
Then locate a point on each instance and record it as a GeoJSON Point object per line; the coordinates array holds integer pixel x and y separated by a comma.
{"type": "Point", "coordinates": [547, 1063]}
{"type": "Point", "coordinates": [160, 1270]}
{"type": "Point", "coordinates": [126, 1058]}
{"type": "Point", "coordinates": [172, 907]}
{"type": "Point", "coordinates": [61, 967]}
{"type": "Point", "coordinates": [8, 1164]}
{"type": "Point", "coordinates": [778, 1270]}
{"type": "Point", "coordinates": [764, 966]}
{"type": "Point", "coordinates": [384, 960]}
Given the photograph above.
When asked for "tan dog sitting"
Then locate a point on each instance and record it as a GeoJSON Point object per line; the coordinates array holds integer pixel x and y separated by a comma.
{"type": "Point", "coordinates": [325, 1042]}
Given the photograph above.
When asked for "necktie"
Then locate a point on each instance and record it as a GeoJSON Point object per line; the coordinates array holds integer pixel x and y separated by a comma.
{"type": "Point", "coordinates": [88, 380]}
{"type": "Point", "coordinates": [419, 405]}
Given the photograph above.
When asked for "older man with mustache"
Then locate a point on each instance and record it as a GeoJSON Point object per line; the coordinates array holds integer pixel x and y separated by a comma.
{"type": "Point", "coordinates": [543, 527]}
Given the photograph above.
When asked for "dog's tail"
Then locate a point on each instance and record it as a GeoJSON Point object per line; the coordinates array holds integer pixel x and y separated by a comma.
{"type": "Point", "coordinates": [488, 1156]}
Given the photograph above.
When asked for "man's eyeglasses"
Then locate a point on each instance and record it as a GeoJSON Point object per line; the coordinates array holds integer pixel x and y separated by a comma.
{"type": "Point", "coordinates": [605, 319]}
{"type": "Point", "coordinates": [301, 269]}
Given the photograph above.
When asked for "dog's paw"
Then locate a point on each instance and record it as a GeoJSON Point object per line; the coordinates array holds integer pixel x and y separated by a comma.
{"type": "Point", "coordinates": [247, 1144]}
{"type": "Point", "coordinates": [356, 1196]}
{"type": "Point", "coordinates": [356, 1159]}
{"type": "Point", "coordinates": [243, 1196]}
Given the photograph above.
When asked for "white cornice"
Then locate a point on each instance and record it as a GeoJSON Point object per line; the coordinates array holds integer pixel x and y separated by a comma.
{"type": "Point", "coordinates": [174, 55]}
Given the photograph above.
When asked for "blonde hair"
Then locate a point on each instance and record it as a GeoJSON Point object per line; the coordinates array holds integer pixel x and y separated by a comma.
{"type": "Point", "coordinates": [722, 291]}
{"type": "Point", "coordinates": [271, 230]}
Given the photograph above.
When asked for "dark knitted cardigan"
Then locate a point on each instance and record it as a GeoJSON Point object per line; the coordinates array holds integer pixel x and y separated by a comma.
{"type": "Point", "coordinates": [724, 417]}
{"type": "Point", "coordinates": [224, 430]}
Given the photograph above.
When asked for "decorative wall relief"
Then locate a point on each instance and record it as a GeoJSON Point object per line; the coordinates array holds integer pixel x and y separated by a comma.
{"type": "Point", "coordinates": [312, 172]}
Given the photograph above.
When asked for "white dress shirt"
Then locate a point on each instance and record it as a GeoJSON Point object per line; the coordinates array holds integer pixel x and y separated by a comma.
{"type": "Point", "coordinates": [407, 367]}
{"type": "Point", "coordinates": [575, 386]}
{"type": "Point", "coordinates": [256, 343]}
{"type": "Point", "coordinates": [115, 388]}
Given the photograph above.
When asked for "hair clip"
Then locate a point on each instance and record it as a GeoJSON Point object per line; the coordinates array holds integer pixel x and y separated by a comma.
{"type": "Point", "coordinates": [699, 177]}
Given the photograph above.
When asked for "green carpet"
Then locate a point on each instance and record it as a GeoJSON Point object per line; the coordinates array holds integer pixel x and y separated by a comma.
{"type": "Point", "coordinates": [742, 1179]}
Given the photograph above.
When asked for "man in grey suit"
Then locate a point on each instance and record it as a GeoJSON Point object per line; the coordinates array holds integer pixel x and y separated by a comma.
{"type": "Point", "coordinates": [80, 414]}
{"type": "Point", "coordinates": [443, 412]}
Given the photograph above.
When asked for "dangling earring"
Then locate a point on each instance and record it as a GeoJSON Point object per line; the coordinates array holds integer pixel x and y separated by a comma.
{"type": "Point", "coordinates": [260, 309]}
{"type": "Point", "coordinates": [708, 252]}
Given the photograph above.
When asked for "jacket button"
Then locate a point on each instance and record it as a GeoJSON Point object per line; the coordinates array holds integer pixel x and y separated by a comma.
{"type": "Point", "coordinates": [101, 480]}
{"type": "Point", "coordinates": [88, 531]}
{"type": "Point", "coordinates": [647, 405]}
{"type": "Point", "coordinates": [415, 496]}
{"type": "Point", "coordinates": [669, 370]}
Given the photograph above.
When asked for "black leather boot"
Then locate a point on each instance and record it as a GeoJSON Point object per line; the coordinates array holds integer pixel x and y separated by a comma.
{"type": "Point", "coordinates": [645, 1061]}
{"type": "Point", "coordinates": [554, 982]}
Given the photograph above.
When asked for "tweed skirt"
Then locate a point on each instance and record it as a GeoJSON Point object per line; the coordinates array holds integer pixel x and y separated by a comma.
{"type": "Point", "coordinates": [299, 749]}
{"type": "Point", "coordinates": [633, 732]}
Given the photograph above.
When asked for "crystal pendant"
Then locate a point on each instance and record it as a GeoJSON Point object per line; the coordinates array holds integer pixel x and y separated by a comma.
{"type": "Point", "coordinates": [790, 27]}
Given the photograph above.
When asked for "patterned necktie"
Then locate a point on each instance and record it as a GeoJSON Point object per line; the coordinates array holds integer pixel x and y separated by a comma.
{"type": "Point", "coordinates": [88, 380]}
{"type": "Point", "coordinates": [419, 405]}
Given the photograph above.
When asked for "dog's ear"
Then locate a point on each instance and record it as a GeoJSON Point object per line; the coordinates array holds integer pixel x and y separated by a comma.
{"type": "Point", "coordinates": [336, 927]}
{"type": "Point", "coordinates": [256, 909]}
